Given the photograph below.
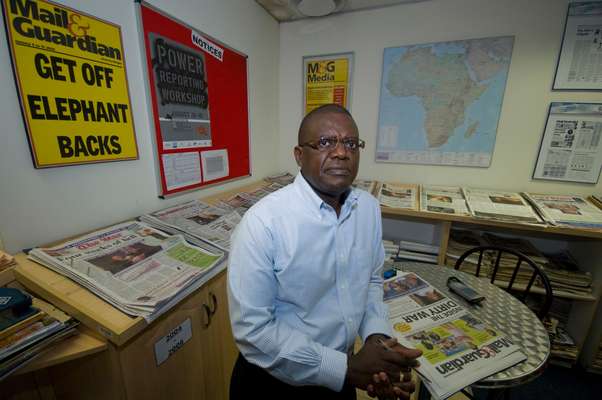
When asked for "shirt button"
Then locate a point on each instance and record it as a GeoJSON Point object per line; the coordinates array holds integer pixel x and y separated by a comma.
{"type": "Point", "coordinates": [343, 286]}
{"type": "Point", "coordinates": [349, 320]}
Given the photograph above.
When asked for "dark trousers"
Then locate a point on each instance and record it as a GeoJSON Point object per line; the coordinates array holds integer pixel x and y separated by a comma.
{"type": "Point", "coordinates": [251, 382]}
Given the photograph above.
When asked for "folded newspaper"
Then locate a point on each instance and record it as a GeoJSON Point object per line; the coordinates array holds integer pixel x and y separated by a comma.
{"type": "Point", "coordinates": [199, 222]}
{"type": "Point", "coordinates": [136, 268]}
{"type": "Point", "coordinates": [566, 210]}
{"type": "Point", "coordinates": [458, 349]}
{"type": "Point", "coordinates": [399, 195]}
{"type": "Point", "coordinates": [500, 205]}
{"type": "Point", "coordinates": [443, 199]}
{"type": "Point", "coordinates": [368, 185]}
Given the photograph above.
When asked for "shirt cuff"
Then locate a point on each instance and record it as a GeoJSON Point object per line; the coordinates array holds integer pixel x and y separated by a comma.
{"type": "Point", "coordinates": [333, 369]}
{"type": "Point", "coordinates": [376, 325]}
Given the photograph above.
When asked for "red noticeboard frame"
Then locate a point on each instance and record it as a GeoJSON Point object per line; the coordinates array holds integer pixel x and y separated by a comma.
{"type": "Point", "coordinates": [226, 79]}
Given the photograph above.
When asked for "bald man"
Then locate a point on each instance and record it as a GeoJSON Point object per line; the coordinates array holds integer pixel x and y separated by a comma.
{"type": "Point", "coordinates": [304, 279]}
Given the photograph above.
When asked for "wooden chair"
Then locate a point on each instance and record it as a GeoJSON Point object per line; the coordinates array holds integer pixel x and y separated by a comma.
{"type": "Point", "coordinates": [524, 263]}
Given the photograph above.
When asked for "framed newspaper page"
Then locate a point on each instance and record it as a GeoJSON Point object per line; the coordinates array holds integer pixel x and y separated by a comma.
{"type": "Point", "coordinates": [327, 79]}
{"type": "Point", "coordinates": [571, 149]}
{"type": "Point", "coordinates": [580, 60]}
{"type": "Point", "coordinates": [70, 73]}
{"type": "Point", "coordinates": [199, 100]}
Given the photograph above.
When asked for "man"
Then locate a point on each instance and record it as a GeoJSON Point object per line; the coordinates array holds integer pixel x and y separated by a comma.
{"type": "Point", "coordinates": [304, 279]}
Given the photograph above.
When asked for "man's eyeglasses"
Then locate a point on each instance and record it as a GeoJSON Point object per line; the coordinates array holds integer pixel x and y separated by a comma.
{"type": "Point", "coordinates": [329, 143]}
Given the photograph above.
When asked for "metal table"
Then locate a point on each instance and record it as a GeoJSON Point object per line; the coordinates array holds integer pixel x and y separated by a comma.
{"type": "Point", "coordinates": [501, 310]}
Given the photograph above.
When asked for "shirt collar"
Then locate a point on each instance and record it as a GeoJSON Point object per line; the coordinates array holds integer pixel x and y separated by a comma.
{"type": "Point", "coordinates": [315, 202]}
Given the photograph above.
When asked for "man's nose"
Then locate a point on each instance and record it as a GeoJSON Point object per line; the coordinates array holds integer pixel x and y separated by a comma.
{"type": "Point", "coordinates": [339, 150]}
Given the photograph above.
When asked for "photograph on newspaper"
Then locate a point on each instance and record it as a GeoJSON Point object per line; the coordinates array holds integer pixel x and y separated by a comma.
{"type": "Point", "coordinates": [402, 285]}
{"type": "Point", "coordinates": [443, 199]}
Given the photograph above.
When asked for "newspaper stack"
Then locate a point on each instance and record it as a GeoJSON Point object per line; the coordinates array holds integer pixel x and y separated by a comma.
{"type": "Point", "coordinates": [566, 210]}
{"type": "Point", "coordinates": [240, 202]}
{"type": "Point", "coordinates": [565, 276]}
{"type": "Point", "coordinates": [282, 179]}
{"type": "Point", "coordinates": [410, 251]}
{"type": "Point", "coordinates": [415, 251]}
{"type": "Point", "coordinates": [259, 193]}
{"type": "Point", "coordinates": [459, 242]}
{"type": "Point", "coordinates": [398, 195]}
{"type": "Point", "coordinates": [457, 348]}
{"type": "Point", "coordinates": [563, 350]}
{"type": "Point", "coordinates": [597, 361]}
{"type": "Point", "coordinates": [507, 262]}
{"type": "Point", "coordinates": [136, 268]}
{"type": "Point", "coordinates": [562, 270]}
{"type": "Point", "coordinates": [500, 205]}
{"type": "Point", "coordinates": [391, 249]}
{"type": "Point", "coordinates": [369, 186]}
{"type": "Point", "coordinates": [27, 339]}
{"type": "Point", "coordinates": [443, 199]}
{"type": "Point", "coordinates": [6, 260]}
{"type": "Point", "coordinates": [201, 224]}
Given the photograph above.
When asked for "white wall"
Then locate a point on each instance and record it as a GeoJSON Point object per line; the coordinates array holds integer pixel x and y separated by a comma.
{"type": "Point", "coordinates": [38, 206]}
{"type": "Point", "coordinates": [537, 26]}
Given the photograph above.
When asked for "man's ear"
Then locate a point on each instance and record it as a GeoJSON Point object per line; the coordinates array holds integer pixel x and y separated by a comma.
{"type": "Point", "coordinates": [298, 153]}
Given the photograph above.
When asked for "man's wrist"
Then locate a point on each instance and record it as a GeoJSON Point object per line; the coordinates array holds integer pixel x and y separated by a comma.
{"type": "Point", "coordinates": [377, 336]}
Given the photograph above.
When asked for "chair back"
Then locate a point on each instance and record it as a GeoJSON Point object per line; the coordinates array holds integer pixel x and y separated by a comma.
{"type": "Point", "coordinates": [489, 257]}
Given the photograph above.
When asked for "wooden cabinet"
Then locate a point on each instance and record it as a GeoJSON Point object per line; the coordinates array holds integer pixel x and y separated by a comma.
{"type": "Point", "coordinates": [218, 343]}
{"type": "Point", "coordinates": [199, 369]}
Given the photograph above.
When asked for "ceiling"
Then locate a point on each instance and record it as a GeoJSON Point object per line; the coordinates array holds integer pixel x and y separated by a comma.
{"type": "Point", "coordinates": [291, 10]}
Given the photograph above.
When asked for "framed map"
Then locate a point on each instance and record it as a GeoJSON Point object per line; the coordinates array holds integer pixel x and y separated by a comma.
{"type": "Point", "coordinates": [440, 102]}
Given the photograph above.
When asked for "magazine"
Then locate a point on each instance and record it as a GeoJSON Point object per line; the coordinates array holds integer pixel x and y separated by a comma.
{"type": "Point", "coordinates": [398, 195]}
{"type": "Point", "coordinates": [500, 205]}
{"type": "Point", "coordinates": [566, 210]}
{"type": "Point", "coordinates": [133, 266]}
{"type": "Point", "coordinates": [457, 348]}
{"type": "Point", "coordinates": [443, 199]}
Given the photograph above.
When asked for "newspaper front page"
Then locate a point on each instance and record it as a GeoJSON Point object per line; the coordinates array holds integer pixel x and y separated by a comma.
{"type": "Point", "coordinates": [566, 210]}
{"type": "Point", "coordinates": [198, 221]}
{"type": "Point", "coordinates": [368, 185]}
{"type": "Point", "coordinates": [443, 199]}
{"type": "Point", "coordinates": [131, 265]}
{"type": "Point", "coordinates": [398, 195]}
{"type": "Point", "coordinates": [570, 149]}
{"type": "Point", "coordinates": [458, 349]}
{"type": "Point", "coordinates": [500, 205]}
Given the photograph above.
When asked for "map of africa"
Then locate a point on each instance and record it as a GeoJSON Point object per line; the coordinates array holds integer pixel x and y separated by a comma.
{"type": "Point", "coordinates": [440, 102]}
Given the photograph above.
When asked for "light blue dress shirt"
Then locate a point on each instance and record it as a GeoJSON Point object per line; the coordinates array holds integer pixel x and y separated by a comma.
{"type": "Point", "coordinates": [303, 283]}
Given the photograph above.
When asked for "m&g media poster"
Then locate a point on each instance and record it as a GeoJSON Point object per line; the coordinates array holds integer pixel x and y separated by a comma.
{"type": "Point", "coordinates": [70, 71]}
{"type": "Point", "coordinates": [327, 79]}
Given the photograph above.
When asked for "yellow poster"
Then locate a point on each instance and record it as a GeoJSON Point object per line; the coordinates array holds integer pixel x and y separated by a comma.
{"type": "Point", "coordinates": [72, 82]}
{"type": "Point", "coordinates": [327, 80]}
